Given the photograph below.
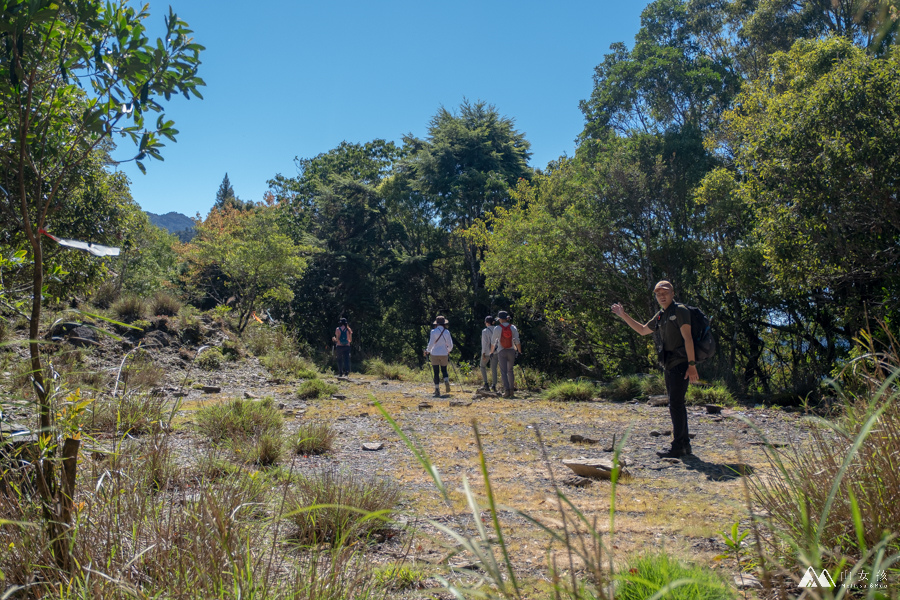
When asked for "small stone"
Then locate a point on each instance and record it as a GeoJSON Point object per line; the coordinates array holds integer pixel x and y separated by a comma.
{"type": "Point", "coordinates": [577, 481]}
{"type": "Point", "coordinates": [364, 415]}
{"type": "Point", "coordinates": [289, 413]}
{"type": "Point", "coordinates": [655, 433]}
{"type": "Point", "coordinates": [385, 383]}
{"type": "Point", "coordinates": [424, 405]}
{"type": "Point", "coordinates": [373, 446]}
{"type": "Point", "coordinates": [212, 389]}
{"type": "Point", "coordinates": [339, 397]}
{"type": "Point", "coordinates": [249, 396]}
{"type": "Point", "coordinates": [672, 461]}
{"type": "Point", "coordinates": [281, 406]}
{"type": "Point", "coordinates": [713, 409]}
{"type": "Point", "coordinates": [179, 394]}
{"type": "Point", "coordinates": [594, 467]}
{"type": "Point", "coordinates": [460, 403]}
{"type": "Point", "coordinates": [584, 440]}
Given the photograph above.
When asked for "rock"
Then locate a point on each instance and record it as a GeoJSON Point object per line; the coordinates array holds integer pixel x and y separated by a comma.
{"type": "Point", "coordinates": [179, 394]}
{"type": "Point", "coordinates": [385, 383]}
{"type": "Point", "coordinates": [343, 378]}
{"type": "Point", "coordinates": [486, 393]}
{"type": "Point", "coordinates": [713, 409]}
{"type": "Point", "coordinates": [364, 415]}
{"type": "Point", "coordinates": [593, 467]}
{"type": "Point", "coordinates": [460, 403]}
{"type": "Point", "coordinates": [672, 461]}
{"type": "Point", "coordinates": [281, 406]}
{"type": "Point", "coordinates": [576, 481]}
{"type": "Point", "coordinates": [249, 396]}
{"type": "Point", "coordinates": [373, 446]}
{"type": "Point", "coordinates": [339, 397]}
{"type": "Point", "coordinates": [655, 433]}
{"type": "Point", "coordinates": [771, 444]}
{"type": "Point", "coordinates": [660, 400]}
{"type": "Point", "coordinates": [157, 339]}
{"type": "Point", "coordinates": [745, 581]}
{"type": "Point", "coordinates": [584, 440]}
{"type": "Point", "coordinates": [424, 405]}
{"type": "Point", "coordinates": [211, 389]}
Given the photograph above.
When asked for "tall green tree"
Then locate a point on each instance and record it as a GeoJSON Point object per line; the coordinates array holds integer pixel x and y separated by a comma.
{"type": "Point", "coordinates": [466, 166]}
{"type": "Point", "coordinates": [50, 127]}
{"type": "Point", "coordinates": [815, 157]}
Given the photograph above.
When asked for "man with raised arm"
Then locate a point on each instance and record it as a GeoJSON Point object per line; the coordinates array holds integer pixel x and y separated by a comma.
{"type": "Point", "coordinates": [671, 327]}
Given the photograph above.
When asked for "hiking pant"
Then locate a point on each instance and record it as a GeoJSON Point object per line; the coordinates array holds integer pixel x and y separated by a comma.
{"type": "Point", "coordinates": [492, 359]}
{"type": "Point", "coordinates": [676, 388]}
{"type": "Point", "coordinates": [343, 359]}
{"type": "Point", "coordinates": [439, 367]}
{"type": "Point", "coordinates": [507, 361]}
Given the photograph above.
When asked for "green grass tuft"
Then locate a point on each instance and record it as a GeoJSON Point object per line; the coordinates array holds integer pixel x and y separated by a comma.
{"type": "Point", "coordinates": [571, 391]}
{"type": "Point", "coordinates": [650, 573]}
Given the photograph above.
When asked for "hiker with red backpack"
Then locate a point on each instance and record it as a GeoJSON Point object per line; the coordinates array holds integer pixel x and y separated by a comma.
{"type": "Point", "coordinates": [342, 338]}
{"type": "Point", "coordinates": [671, 328]}
{"type": "Point", "coordinates": [439, 346]}
{"type": "Point", "coordinates": [505, 343]}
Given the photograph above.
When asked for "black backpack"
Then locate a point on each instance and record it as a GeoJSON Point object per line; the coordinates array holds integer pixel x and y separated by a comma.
{"type": "Point", "coordinates": [701, 332]}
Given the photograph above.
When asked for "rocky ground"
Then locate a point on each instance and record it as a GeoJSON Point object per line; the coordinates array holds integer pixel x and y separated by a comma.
{"type": "Point", "coordinates": [677, 505]}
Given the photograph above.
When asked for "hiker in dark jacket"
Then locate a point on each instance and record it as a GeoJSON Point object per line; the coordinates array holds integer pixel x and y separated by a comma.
{"type": "Point", "coordinates": [343, 337]}
{"type": "Point", "coordinates": [673, 324]}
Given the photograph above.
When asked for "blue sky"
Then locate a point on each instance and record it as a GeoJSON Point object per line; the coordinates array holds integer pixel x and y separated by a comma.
{"type": "Point", "coordinates": [287, 79]}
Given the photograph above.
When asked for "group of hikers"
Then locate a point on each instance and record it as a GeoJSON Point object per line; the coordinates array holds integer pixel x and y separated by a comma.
{"type": "Point", "coordinates": [500, 346]}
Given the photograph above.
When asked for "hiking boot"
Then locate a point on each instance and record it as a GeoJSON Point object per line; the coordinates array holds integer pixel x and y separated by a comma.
{"type": "Point", "coordinates": [447, 385]}
{"type": "Point", "coordinates": [494, 388]}
{"type": "Point", "coordinates": [486, 387]}
{"type": "Point", "coordinates": [437, 391]}
{"type": "Point", "coordinates": [675, 452]}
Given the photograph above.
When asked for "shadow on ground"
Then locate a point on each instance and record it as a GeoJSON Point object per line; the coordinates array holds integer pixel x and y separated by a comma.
{"type": "Point", "coordinates": [716, 471]}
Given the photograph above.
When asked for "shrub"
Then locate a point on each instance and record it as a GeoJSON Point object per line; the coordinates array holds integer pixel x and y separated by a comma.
{"type": "Point", "coordinates": [164, 303]}
{"type": "Point", "coordinates": [383, 370]}
{"type": "Point", "coordinates": [106, 294]}
{"type": "Point", "coordinates": [571, 391]}
{"type": "Point", "coordinates": [648, 574]}
{"type": "Point", "coordinates": [336, 507]}
{"type": "Point", "coordinates": [263, 339]}
{"type": "Point", "coordinates": [288, 366]}
{"type": "Point", "coordinates": [315, 388]}
{"type": "Point", "coordinates": [264, 450]}
{"type": "Point", "coordinates": [624, 388]}
{"type": "Point", "coordinates": [210, 359]}
{"type": "Point", "coordinates": [129, 308]}
{"type": "Point", "coordinates": [133, 413]}
{"type": "Point", "coordinates": [399, 577]}
{"type": "Point", "coordinates": [237, 418]}
{"type": "Point", "coordinates": [141, 371]}
{"type": "Point", "coordinates": [715, 394]}
{"type": "Point", "coordinates": [798, 498]}
{"type": "Point", "coordinates": [314, 437]}
{"type": "Point", "coordinates": [653, 384]}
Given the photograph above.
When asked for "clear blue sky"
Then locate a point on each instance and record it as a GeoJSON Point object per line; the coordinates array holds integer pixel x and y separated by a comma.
{"type": "Point", "coordinates": [287, 79]}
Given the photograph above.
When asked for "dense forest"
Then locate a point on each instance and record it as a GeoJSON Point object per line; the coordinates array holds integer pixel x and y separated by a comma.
{"type": "Point", "coordinates": [745, 150]}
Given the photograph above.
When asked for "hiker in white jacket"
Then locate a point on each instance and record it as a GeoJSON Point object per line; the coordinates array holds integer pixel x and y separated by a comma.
{"type": "Point", "coordinates": [439, 346]}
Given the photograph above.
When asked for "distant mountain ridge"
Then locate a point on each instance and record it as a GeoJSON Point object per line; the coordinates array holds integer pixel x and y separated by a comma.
{"type": "Point", "coordinates": [175, 223]}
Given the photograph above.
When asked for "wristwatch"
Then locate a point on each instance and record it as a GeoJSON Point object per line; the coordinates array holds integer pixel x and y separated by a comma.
{"type": "Point", "coordinates": [692, 363]}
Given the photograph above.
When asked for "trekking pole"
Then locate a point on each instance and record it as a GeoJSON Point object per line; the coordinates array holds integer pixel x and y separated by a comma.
{"type": "Point", "coordinates": [456, 372]}
{"type": "Point", "coordinates": [524, 379]}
